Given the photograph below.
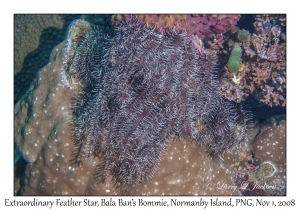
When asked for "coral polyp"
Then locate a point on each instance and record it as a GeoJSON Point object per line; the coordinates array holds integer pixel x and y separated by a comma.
{"type": "Point", "coordinates": [141, 90]}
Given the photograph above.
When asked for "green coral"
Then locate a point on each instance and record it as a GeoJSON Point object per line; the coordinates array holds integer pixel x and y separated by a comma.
{"type": "Point", "coordinates": [242, 35]}
{"type": "Point", "coordinates": [235, 59]}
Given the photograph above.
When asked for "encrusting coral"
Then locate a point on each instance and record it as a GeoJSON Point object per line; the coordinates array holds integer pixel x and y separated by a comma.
{"type": "Point", "coordinates": [42, 129]}
{"type": "Point", "coordinates": [43, 99]}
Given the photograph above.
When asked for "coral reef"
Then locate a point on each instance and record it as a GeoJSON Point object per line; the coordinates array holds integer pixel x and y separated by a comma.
{"type": "Point", "coordinates": [30, 132]}
{"type": "Point", "coordinates": [46, 109]}
{"type": "Point", "coordinates": [194, 24]}
{"type": "Point", "coordinates": [28, 31]}
{"type": "Point", "coordinates": [135, 100]}
{"type": "Point", "coordinates": [83, 73]}
{"type": "Point", "coordinates": [34, 38]}
{"type": "Point", "coordinates": [262, 171]}
{"type": "Point", "coordinates": [42, 130]}
{"type": "Point", "coordinates": [264, 56]}
{"type": "Point", "coordinates": [232, 90]}
{"type": "Point", "coordinates": [266, 70]}
{"type": "Point", "coordinates": [187, 169]}
{"type": "Point", "coordinates": [50, 144]}
{"type": "Point", "coordinates": [272, 141]}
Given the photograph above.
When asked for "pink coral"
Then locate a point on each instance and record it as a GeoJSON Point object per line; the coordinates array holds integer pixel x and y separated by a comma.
{"type": "Point", "coordinates": [202, 25]}
{"type": "Point", "coordinates": [264, 61]}
{"type": "Point", "coordinates": [266, 69]}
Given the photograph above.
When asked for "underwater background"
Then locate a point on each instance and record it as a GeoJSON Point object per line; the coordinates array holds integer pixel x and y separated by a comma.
{"type": "Point", "coordinates": [50, 73]}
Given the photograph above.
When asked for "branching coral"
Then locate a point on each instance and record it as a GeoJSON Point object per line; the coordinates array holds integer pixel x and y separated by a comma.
{"type": "Point", "coordinates": [195, 24]}
{"type": "Point", "coordinates": [263, 60]}
{"type": "Point", "coordinates": [266, 69]}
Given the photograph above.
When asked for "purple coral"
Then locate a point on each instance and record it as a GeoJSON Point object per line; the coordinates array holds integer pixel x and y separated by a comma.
{"type": "Point", "coordinates": [141, 89]}
{"type": "Point", "coordinates": [202, 25]}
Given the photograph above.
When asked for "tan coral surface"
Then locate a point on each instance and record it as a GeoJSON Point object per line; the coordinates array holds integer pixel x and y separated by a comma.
{"type": "Point", "coordinates": [43, 136]}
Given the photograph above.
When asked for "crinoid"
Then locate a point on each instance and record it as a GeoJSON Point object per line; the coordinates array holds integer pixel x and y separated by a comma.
{"type": "Point", "coordinates": [141, 89]}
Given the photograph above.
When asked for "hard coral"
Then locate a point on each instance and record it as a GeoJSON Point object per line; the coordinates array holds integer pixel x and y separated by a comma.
{"type": "Point", "coordinates": [266, 69]}
{"type": "Point", "coordinates": [28, 31]}
{"type": "Point", "coordinates": [34, 38]}
{"type": "Point", "coordinates": [185, 168]}
{"type": "Point", "coordinates": [42, 117]}
{"type": "Point", "coordinates": [270, 141]}
{"type": "Point", "coordinates": [261, 169]}
{"type": "Point", "coordinates": [31, 132]}
{"type": "Point", "coordinates": [140, 90]}
{"type": "Point", "coordinates": [263, 74]}
{"type": "Point", "coordinates": [194, 24]}
{"type": "Point", "coordinates": [43, 134]}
